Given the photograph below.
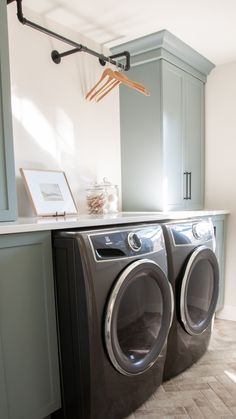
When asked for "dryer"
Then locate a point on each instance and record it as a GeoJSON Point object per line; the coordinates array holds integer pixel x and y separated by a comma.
{"type": "Point", "coordinates": [194, 276]}
{"type": "Point", "coordinates": [115, 307]}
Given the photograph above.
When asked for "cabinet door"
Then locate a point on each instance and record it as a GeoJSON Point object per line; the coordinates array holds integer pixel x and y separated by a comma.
{"type": "Point", "coordinates": [173, 136]}
{"type": "Point", "coordinates": [8, 207]}
{"type": "Point", "coordinates": [194, 140]}
{"type": "Point", "coordinates": [183, 138]}
{"type": "Point", "coordinates": [29, 372]}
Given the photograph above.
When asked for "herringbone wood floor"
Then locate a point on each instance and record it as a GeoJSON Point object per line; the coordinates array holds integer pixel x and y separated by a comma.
{"type": "Point", "coordinates": [206, 390]}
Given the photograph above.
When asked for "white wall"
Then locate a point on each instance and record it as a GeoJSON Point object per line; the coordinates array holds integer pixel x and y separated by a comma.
{"type": "Point", "coordinates": [54, 126]}
{"type": "Point", "coordinates": [220, 190]}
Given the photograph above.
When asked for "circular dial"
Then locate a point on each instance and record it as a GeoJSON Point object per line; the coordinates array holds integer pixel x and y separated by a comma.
{"type": "Point", "coordinates": [134, 242]}
{"type": "Point", "coordinates": [202, 231]}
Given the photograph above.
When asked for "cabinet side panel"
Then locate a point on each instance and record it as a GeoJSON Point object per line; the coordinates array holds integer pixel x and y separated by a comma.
{"type": "Point", "coordinates": [141, 147]}
{"type": "Point", "coordinates": [173, 136]}
{"type": "Point", "coordinates": [219, 227]}
{"type": "Point", "coordinates": [4, 413]}
{"type": "Point", "coordinates": [8, 206]}
{"type": "Point", "coordinates": [3, 185]}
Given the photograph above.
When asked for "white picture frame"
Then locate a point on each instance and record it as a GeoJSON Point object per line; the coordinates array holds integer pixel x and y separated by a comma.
{"type": "Point", "coordinates": [49, 192]}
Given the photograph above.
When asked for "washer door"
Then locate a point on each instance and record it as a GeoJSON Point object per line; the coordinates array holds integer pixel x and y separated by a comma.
{"type": "Point", "coordinates": [199, 290]}
{"type": "Point", "coordinates": [138, 317]}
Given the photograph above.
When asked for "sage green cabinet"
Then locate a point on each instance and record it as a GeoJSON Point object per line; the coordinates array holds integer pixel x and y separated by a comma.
{"type": "Point", "coordinates": [8, 205]}
{"type": "Point", "coordinates": [29, 372]}
{"type": "Point", "coordinates": [219, 222]}
{"type": "Point", "coordinates": [162, 136]}
{"type": "Point", "coordinates": [183, 139]}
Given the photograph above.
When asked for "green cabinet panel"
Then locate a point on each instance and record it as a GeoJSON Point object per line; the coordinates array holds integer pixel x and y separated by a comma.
{"type": "Point", "coordinates": [29, 371]}
{"type": "Point", "coordinates": [194, 140]}
{"type": "Point", "coordinates": [8, 206]}
{"type": "Point", "coordinates": [141, 155]}
{"type": "Point", "coordinates": [219, 222]}
{"type": "Point", "coordinates": [174, 153]}
{"type": "Point", "coordinates": [162, 136]}
{"type": "Point", "coordinates": [183, 137]}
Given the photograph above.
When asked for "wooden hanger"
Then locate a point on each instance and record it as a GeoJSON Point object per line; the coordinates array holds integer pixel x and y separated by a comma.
{"type": "Point", "coordinates": [121, 78]}
{"type": "Point", "coordinates": [114, 78]}
{"type": "Point", "coordinates": [131, 83]}
{"type": "Point", "coordinates": [106, 73]}
{"type": "Point", "coordinates": [107, 86]}
{"type": "Point", "coordinates": [106, 90]}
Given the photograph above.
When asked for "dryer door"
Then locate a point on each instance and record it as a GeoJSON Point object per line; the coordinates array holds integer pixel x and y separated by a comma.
{"type": "Point", "coordinates": [199, 290]}
{"type": "Point", "coordinates": [138, 317]}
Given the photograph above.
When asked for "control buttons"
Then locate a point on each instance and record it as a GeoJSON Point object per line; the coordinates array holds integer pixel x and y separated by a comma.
{"type": "Point", "coordinates": [134, 242]}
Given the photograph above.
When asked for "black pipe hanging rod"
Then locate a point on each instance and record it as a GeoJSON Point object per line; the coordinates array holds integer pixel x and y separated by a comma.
{"type": "Point", "coordinates": [56, 56]}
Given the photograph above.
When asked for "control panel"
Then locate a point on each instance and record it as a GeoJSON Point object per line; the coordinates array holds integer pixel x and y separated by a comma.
{"type": "Point", "coordinates": [195, 232]}
{"type": "Point", "coordinates": [127, 243]}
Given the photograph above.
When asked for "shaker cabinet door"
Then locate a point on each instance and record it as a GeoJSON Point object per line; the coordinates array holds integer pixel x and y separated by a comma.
{"type": "Point", "coordinates": [8, 206]}
{"type": "Point", "coordinates": [183, 138]}
{"type": "Point", "coordinates": [173, 137]}
{"type": "Point", "coordinates": [194, 141]}
{"type": "Point", "coordinates": [29, 372]}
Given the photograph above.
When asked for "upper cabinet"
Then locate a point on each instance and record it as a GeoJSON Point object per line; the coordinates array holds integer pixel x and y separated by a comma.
{"type": "Point", "coordinates": [8, 205]}
{"type": "Point", "coordinates": [162, 136]}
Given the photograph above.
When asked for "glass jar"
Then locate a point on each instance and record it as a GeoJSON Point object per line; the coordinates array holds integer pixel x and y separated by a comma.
{"type": "Point", "coordinates": [102, 198]}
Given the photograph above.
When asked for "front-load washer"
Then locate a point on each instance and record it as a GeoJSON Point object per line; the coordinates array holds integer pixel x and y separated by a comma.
{"type": "Point", "coordinates": [115, 307]}
{"type": "Point", "coordinates": [194, 275]}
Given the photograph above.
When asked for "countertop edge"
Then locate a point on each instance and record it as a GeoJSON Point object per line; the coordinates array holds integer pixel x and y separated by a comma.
{"type": "Point", "coordinates": [31, 224]}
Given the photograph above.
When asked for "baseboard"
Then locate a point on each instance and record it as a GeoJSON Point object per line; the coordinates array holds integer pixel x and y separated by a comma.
{"type": "Point", "coordinates": [227, 313]}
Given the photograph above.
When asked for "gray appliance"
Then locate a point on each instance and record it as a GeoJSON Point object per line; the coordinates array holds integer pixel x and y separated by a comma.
{"type": "Point", "coordinates": [194, 276]}
{"type": "Point", "coordinates": [115, 307]}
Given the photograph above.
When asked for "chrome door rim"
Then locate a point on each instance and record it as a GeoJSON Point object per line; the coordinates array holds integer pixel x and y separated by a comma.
{"type": "Point", "coordinates": [110, 310]}
{"type": "Point", "coordinates": [183, 292]}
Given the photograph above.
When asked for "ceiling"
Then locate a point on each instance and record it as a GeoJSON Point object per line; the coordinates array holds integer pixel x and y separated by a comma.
{"type": "Point", "coordinates": [208, 26]}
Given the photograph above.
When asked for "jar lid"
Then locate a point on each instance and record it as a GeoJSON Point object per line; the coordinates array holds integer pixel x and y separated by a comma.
{"type": "Point", "coordinates": [107, 183]}
{"type": "Point", "coordinates": [102, 185]}
{"type": "Point", "coordinates": [95, 186]}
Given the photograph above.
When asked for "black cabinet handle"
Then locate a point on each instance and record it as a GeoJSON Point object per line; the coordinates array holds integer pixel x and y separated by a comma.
{"type": "Point", "coordinates": [190, 185]}
{"type": "Point", "coordinates": [186, 185]}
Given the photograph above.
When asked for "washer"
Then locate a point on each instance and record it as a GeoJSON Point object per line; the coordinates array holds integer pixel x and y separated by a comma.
{"type": "Point", "coordinates": [194, 275]}
{"type": "Point", "coordinates": [115, 307]}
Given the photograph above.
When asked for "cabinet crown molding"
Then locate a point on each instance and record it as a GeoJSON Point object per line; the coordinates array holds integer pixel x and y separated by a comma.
{"type": "Point", "coordinates": [164, 41]}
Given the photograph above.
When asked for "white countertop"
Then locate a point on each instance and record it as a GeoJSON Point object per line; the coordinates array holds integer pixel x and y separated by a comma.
{"type": "Point", "coordinates": [29, 224]}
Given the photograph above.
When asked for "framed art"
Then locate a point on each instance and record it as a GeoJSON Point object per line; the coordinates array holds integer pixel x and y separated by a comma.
{"type": "Point", "coordinates": [49, 192]}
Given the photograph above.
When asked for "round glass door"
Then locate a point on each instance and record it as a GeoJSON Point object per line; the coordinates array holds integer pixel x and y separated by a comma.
{"type": "Point", "coordinates": [199, 290]}
{"type": "Point", "coordinates": [138, 317]}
